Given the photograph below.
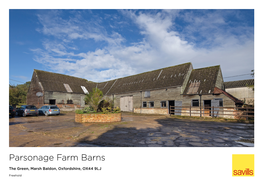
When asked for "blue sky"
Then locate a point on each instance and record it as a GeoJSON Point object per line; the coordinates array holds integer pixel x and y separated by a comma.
{"type": "Point", "coordinates": [100, 45]}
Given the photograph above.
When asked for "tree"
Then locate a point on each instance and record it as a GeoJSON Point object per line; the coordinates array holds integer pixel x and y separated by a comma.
{"type": "Point", "coordinates": [17, 94]}
{"type": "Point", "coordinates": [94, 98]}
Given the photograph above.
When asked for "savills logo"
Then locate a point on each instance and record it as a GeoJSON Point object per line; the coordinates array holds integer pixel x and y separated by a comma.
{"type": "Point", "coordinates": [242, 164]}
{"type": "Point", "coordinates": [246, 172]}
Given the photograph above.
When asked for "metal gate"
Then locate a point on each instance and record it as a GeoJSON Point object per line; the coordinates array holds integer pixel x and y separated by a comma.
{"type": "Point", "coordinates": [126, 103]}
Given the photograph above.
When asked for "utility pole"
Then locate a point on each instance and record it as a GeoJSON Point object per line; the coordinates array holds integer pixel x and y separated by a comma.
{"type": "Point", "coordinates": [200, 105]}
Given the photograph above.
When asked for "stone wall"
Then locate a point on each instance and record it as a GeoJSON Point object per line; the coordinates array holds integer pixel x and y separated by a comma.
{"type": "Point", "coordinates": [35, 86]}
{"type": "Point", "coordinates": [155, 95]}
{"type": "Point", "coordinates": [245, 94]}
{"type": "Point", "coordinates": [151, 110]}
{"type": "Point", "coordinates": [62, 98]}
{"type": "Point", "coordinates": [102, 118]}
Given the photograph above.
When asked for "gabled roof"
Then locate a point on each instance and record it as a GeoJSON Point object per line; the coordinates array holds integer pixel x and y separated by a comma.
{"type": "Point", "coordinates": [157, 79]}
{"type": "Point", "coordinates": [61, 83]}
{"type": "Point", "coordinates": [202, 81]}
{"type": "Point", "coordinates": [241, 83]}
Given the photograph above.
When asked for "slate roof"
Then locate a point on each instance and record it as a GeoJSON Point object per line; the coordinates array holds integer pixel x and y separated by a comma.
{"type": "Point", "coordinates": [202, 81]}
{"type": "Point", "coordinates": [157, 79]}
{"type": "Point", "coordinates": [242, 83]}
{"type": "Point", "coordinates": [55, 82]}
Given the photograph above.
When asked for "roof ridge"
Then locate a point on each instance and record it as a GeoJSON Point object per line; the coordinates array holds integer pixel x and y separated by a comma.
{"type": "Point", "coordinates": [147, 72]}
{"type": "Point", "coordinates": [207, 67]}
{"type": "Point", "coordinates": [239, 80]}
{"type": "Point", "coordinates": [60, 74]}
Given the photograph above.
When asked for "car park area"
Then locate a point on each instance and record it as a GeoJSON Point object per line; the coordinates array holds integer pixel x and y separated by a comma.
{"type": "Point", "coordinates": [133, 131]}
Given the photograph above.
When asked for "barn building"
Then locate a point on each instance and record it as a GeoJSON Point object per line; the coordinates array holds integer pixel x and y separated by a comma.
{"type": "Point", "coordinates": [243, 90]}
{"type": "Point", "coordinates": [57, 89]}
{"type": "Point", "coordinates": [150, 92]}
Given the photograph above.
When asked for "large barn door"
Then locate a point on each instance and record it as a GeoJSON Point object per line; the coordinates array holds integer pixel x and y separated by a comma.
{"type": "Point", "coordinates": [126, 103]}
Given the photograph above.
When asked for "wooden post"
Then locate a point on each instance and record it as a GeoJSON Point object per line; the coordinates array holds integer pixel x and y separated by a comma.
{"type": "Point", "coordinates": [190, 111]}
{"type": "Point", "coordinates": [247, 113]}
{"type": "Point", "coordinates": [200, 105]}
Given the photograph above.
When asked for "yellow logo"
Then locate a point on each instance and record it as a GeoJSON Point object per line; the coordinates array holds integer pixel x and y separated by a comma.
{"type": "Point", "coordinates": [243, 165]}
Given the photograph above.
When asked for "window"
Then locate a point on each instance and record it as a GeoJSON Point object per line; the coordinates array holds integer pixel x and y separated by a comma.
{"type": "Point", "coordinates": [195, 103]}
{"type": "Point", "coordinates": [163, 104]}
{"type": "Point", "coordinates": [84, 90]}
{"type": "Point", "coordinates": [151, 104]}
{"type": "Point", "coordinates": [31, 107]}
{"type": "Point", "coordinates": [52, 102]}
{"type": "Point", "coordinates": [220, 102]}
{"type": "Point", "coordinates": [69, 101]}
{"type": "Point", "coordinates": [147, 94]}
{"type": "Point", "coordinates": [53, 107]}
{"type": "Point", "coordinates": [144, 104]}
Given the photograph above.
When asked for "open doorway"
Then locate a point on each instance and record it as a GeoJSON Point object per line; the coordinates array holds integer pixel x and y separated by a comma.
{"type": "Point", "coordinates": [171, 103]}
{"type": "Point", "coordinates": [207, 107]}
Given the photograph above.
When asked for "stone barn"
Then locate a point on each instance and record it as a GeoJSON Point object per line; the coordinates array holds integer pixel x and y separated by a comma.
{"type": "Point", "coordinates": [243, 90]}
{"type": "Point", "coordinates": [150, 92]}
{"type": "Point", "coordinates": [57, 89]}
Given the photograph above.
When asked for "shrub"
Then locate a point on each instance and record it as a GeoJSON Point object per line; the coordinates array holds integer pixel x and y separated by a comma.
{"type": "Point", "coordinates": [88, 109]}
{"type": "Point", "coordinates": [117, 110]}
{"type": "Point", "coordinates": [79, 111]}
{"type": "Point", "coordinates": [106, 110]}
{"type": "Point", "coordinates": [93, 98]}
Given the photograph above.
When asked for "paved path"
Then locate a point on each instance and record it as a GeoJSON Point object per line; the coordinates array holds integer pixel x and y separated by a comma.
{"type": "Point", "coordinates": [133, 131]}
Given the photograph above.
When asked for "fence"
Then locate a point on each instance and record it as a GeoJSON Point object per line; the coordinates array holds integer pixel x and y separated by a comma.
{"type": "Point", "coordinates": [225, 112]}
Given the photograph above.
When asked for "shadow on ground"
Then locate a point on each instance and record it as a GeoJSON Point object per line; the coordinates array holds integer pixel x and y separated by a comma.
{"type": "Point", "coordinates": [171, 132]}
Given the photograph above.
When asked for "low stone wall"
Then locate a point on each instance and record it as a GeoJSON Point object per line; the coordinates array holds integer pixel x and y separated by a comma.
{"type": "Point", "coordinates": [151, 110]}
{"type": "Point", "coordinates": [102, 118]}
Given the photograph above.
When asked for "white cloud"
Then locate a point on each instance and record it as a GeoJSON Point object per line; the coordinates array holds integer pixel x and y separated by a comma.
{"type": "Point", "coordinates": [162, 45]}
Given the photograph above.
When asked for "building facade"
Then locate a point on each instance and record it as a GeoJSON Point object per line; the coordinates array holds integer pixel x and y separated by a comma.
{"type": "Point", "coordinates": [243, 90]}
{"type": "Point", "coordinates": [151, 92]}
